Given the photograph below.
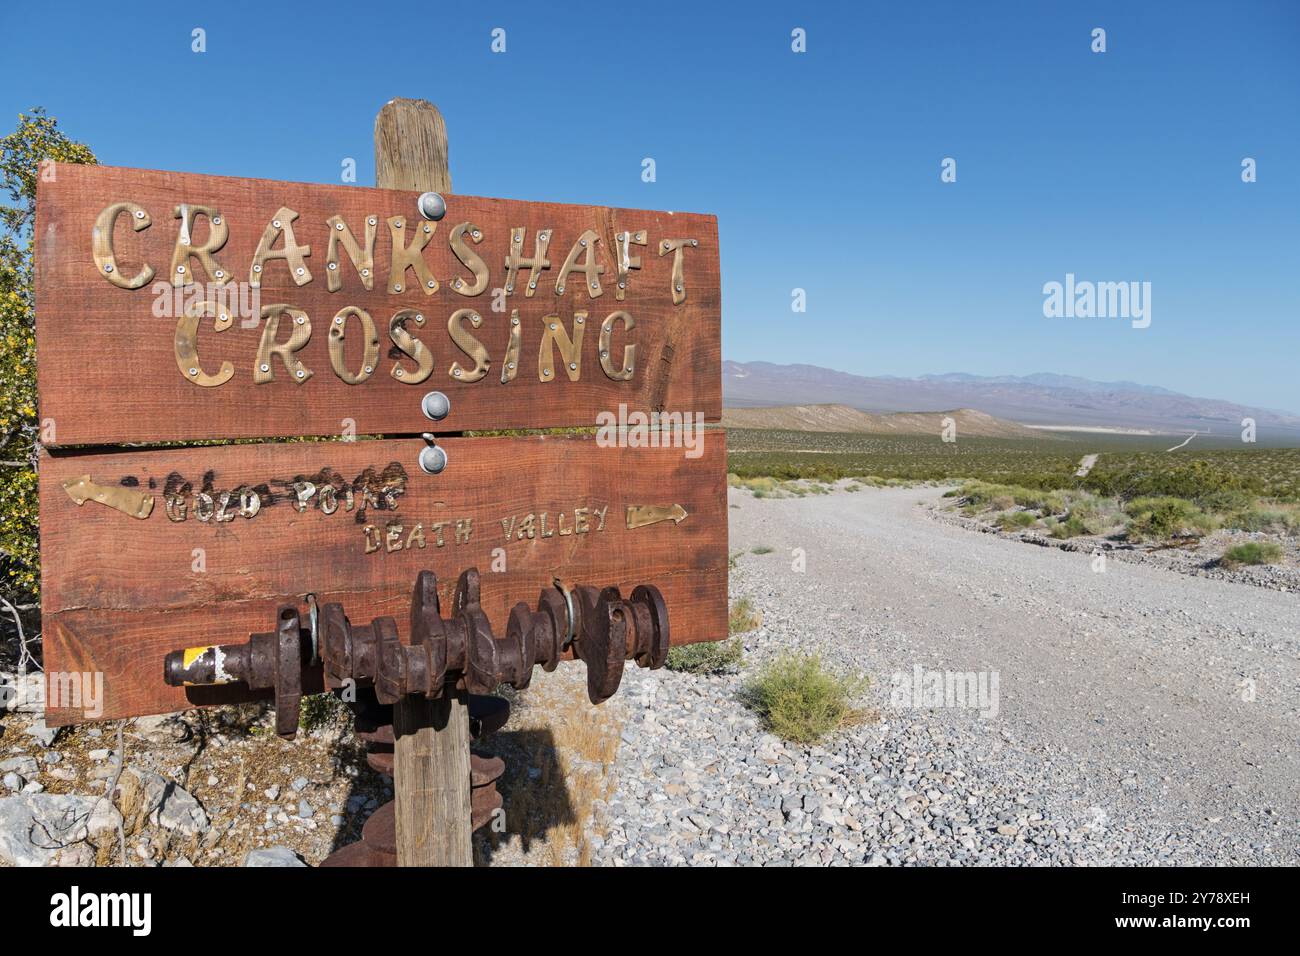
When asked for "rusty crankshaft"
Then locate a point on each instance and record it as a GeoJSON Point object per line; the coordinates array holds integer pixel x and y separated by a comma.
{"type": "Point", "coordinates": [601, 628]}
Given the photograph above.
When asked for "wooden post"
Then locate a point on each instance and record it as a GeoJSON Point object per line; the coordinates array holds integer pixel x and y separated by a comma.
{"type": "Point", "coordinates": [431, 780]}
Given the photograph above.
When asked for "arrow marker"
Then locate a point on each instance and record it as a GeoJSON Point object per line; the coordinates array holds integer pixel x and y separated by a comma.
{"type": "Point", "coordinates": [134, 503]}
{"type": "Point", "coordinates": [638, 516]}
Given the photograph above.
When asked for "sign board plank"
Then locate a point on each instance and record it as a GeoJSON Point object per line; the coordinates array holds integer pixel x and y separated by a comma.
{"type": "Point", "coordinates": [230, 532]}
{"type": "Point", "coordinates": [120, 365]}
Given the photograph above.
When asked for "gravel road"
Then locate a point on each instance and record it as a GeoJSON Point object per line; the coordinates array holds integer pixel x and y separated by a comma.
{"type": "Point", "coordinates": [1143, 716]}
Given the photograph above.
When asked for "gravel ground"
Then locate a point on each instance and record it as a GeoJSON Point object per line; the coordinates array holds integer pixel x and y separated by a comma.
{"type": "Point", "coordinates": [1144, 716]}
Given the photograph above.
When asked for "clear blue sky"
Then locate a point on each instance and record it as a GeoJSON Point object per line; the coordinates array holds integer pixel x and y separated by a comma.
{"type": "Point", "coordinates": [822, 167]}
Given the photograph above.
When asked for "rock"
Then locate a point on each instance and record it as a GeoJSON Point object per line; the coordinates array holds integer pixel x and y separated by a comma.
{"type": "Point", "coordinates": [161, 729]}
{"type": "Point", "coordinates": [33, 786]}
{"type": "Point", "coordinates": [300, 784]}
{"type": "Point", "coordinates": [169, 805]}
{"type": "Point", "coordinates": [273, 856]}
{"type": "Point", "coordinates": [79, 855]}
{"type": "Point", "coordinates": [305, 810]}
{"type": "Point", "coordinates": [12, 782]}
{"type": "Point", "coordinates": [22, 695]}
{"type": "Point", "coordinates": [23, 766]}
{"type": "Point", "coordinates": [42, 734]}
{"type": "Point", "coordinates": [272, 792]}
{"type": "Point", "coordinates": [35, 827]}
{"type": "Point", "coordinates": [99, 755]}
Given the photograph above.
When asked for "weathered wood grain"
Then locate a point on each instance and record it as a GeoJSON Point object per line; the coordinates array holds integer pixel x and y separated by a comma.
{"type": "Point", "coordinates": [120, 592]}
{"type": "Point", "coordinates": [431, 778]}
{"type": "Point", "coordinates": [108, 374]}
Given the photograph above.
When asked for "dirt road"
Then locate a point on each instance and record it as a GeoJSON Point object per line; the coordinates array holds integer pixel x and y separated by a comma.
{"type": "Point", "coordinates": [1171, 701]}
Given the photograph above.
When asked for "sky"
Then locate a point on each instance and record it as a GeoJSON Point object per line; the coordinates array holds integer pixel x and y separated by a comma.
{"type": "Point", "coordinates": [822, 166]}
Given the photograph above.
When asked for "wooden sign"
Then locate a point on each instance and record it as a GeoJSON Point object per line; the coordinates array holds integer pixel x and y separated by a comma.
{"type": "Point", "coordinates": [178, 307]}
{"type": "Point", "coordinates": [174, 307]}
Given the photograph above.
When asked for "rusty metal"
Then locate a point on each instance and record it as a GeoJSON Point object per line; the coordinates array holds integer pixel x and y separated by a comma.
{"type": "Point", "coordinates": [598, 625]}
{"type": "Point", "coordinates": [602, 629]}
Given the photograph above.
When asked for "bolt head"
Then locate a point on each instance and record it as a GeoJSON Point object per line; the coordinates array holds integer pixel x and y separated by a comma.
{"type": "Point", "coordinates": [436, 406]}
{"type": "Point", "coordinates": [432, 460]}
{"type": "Point", "coordinates": [432, 206]}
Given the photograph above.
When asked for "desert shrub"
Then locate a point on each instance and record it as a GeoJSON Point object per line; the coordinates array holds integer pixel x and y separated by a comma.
{"type": "Point", "coordinates": [1016, 520]}
{"type": "Point", "coordinates": [1255, 518]}
{"type": "Point", "coordinates": [320, 710]}
{"type": "Point", "coordinates": [1197, 481]}
{"type": "Point", "coordinates": [1073, 526]}
{"type": "Point", "coordinates": [742, 617]}
{"type": "Point", "coordinates": [707, 657]}
{"type": "Point", "coordinates": [1159, 518]}
{"type": "Point", "coordinates": [761, 549]}
{"type": "Point", "coordinates": [1227, 502]}
{"type": "Point", "coordinates": [801, 700]}
{"type": "Point", "coordinates": [1252, 552]}
{"type": "Point", "coordinates": [990, 495]}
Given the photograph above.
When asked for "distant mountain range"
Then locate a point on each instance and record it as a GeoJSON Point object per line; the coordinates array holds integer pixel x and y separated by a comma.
{"type": "Point", "coordinates": [1040, 399]}
{"type": "Point", "coordinates": [842, 418]}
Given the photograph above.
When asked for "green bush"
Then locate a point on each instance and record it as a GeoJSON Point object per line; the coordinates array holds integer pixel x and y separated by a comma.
{"type": "Point", "coordinates": [1017, 520]}
{"type": "Point", "coordinates": [1073, 526]}
{"type": "Point", "coordinates": [36, 139]}
{"type": "Point", "coordinates": [321, 710]}
{"type": "Point", "coordinates": [1258, 519]}
{"type": "Point", "coordinates": [1161, 518]}
{"type": "Point", "coordinates": [707, 657]}
{"type": "Point", "coordinates": [995, 495]}
{"type": "Point", "coordinates": [1198, 481]}
{"type": "Point", "coordinates": [1252, 552]}
{"type": "Point", "coordinates": [799, 699]}
{"type": "Point", "coordinates": [742, 617]}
